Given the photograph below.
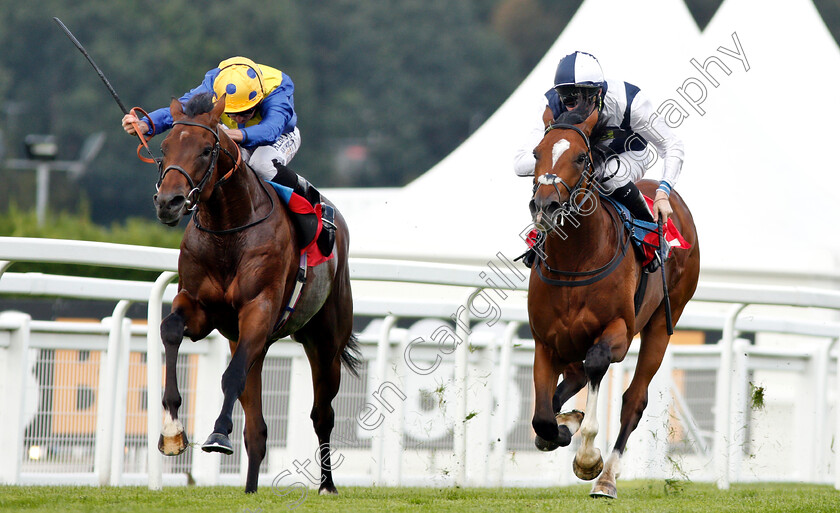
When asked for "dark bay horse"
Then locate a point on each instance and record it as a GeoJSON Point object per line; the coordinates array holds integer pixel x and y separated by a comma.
{"type": "Point", "coordinates": [581, 298]}
{"type": "Point", "coordinates": [238, 268]}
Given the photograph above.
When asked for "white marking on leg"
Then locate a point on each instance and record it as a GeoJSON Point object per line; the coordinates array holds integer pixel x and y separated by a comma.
{"type": "Point", "coordinates": [171, 427]}
{"type": "Point", "coordinates": [613, 465]}
{"type": "Point", "coordinates": [559, 148]}
{"type": "Point", "coordinates": [589, 428]}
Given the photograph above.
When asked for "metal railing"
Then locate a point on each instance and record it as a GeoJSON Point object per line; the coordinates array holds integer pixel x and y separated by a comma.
{"type": "Point", "coordinates": [480, 288]}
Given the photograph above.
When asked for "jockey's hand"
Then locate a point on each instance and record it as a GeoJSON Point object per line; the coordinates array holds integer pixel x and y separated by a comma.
{"type": "Point", "coordinates": [662, 206]}
{"type": "Point", "coordinates": [127, 121]}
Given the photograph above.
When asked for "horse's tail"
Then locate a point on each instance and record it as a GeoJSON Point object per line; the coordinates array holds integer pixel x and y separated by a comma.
{"type": "Point", "coordinates": [351, 356]}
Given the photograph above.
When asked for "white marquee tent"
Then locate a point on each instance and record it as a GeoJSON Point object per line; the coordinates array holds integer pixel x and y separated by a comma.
{"type": "Point", "coordinates": [762, 195]}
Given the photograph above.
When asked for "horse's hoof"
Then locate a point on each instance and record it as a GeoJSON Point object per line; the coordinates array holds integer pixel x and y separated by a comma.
{"type": "Point", "coordinates": [546, 445]}
{"type": "Point", "coordinates": [173, 445]}
{"type": "Point", "coordinates": [590, 473]}
{"type": "Point", "coordinates": [218, 442]}
{"type": "Point", "coordinates": [328, 490]}
{"type": "Point", "coordinates": [604, 488]}
{"type": "Point", "coordinates": [571, 420]}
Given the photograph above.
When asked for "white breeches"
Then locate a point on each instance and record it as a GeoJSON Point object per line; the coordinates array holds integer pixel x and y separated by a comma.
{"type": "Point", "coordinates": [282, 150]}
{"type": "Point", "coordinates": [625, 167]}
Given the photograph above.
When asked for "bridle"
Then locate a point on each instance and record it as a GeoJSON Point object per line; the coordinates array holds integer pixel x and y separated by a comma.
{"type": "Point", "coordinates": [566, 209]}
{"type": "Point", "coordinates": [551, 179]}
{"type": "Point", "coordinates": [194, 195]}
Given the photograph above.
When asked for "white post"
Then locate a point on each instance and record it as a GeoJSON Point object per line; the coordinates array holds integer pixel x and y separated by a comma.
{"type": "Point", "coordinates": [836, 345]}
{"type": "Point", "coordinates": [120, 405]}
{"type": "Point", "coordinates": [206, 466]}
{"type": "Point", "coordinates": [459, 436]}
{"type": "Point", "coordinates": [154, 369]}
{"type": "Point", "coordinates": [820, 447]}
{"type": "Point", "coordinates": [723, 398]}
{"type": "Point", "coordinates": [17, 368]}
{"type": "Point", "coordinates": [105, 411]}
{"type": "Point", "coordinates": [505, 357]}
{"type": "Point", "coordinates": [740, 411]}
{"type": "Point", "coordinates": [378, 439]}
{"type": "Point", "coordinates": [42, 191]}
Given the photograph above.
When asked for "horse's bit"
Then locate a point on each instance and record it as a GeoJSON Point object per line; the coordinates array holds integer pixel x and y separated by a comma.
{"type": "Point", "coordinates": [196, 189]}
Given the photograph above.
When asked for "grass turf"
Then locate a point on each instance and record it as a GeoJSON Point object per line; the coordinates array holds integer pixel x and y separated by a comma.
{"type": "Point", "coordinates": [634, 496]}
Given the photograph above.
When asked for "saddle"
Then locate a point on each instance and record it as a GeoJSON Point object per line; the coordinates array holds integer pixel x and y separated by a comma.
{"type": "Point", "coordinates": [314, 220]}
{"type": "Point", "coordinates": [645, 236]}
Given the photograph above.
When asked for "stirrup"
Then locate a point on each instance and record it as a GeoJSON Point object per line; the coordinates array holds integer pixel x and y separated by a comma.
{"type": "Point", "coordinates": [326, 240]}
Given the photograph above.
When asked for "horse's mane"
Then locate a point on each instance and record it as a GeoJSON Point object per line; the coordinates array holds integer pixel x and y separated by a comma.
{"type": "Point", "coordinates": [578, 116]}
{"type": "Point", "coordinates": [201, 103]}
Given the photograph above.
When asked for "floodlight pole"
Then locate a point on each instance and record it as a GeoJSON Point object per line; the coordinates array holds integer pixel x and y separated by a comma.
{"type": "Point", "coordinates": [42, 191]}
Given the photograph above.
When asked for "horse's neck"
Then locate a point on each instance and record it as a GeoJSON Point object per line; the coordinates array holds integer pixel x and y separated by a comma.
{"type": "Point", "coordinates": [577, 244]}
{"type": "Point", "coordinates": [236, 202]}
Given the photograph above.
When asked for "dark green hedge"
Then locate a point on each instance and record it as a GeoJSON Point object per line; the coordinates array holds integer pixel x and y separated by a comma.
{"type": "Point", "coordinates": [142, 232]}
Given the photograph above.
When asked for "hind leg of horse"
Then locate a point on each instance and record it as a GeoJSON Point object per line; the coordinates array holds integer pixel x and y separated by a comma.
{"type": "Point", "coordinates": [256, 430]}
{"type": "Point", "coordinates": [254, 325]}
{"type": "Point", "coordinates": [173, 438]}
{"type": "Point", "coordinates": [326, 377]}
{"type": "Point", "coordinates": [574, 379]}
{"type": "Point", "coordinates": [547, 370]}
{"type": "Point", "coordinates": [654, 342]}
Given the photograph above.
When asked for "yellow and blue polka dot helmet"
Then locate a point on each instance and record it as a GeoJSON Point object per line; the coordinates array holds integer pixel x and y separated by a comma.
{"type": "Point", "coordinates": [241, 79]}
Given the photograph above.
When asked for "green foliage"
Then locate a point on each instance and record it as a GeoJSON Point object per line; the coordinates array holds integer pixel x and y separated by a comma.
{"type": "Point", "coordinates": [135, 231]}
{"type": "Point", "coordinates": [405, 81]}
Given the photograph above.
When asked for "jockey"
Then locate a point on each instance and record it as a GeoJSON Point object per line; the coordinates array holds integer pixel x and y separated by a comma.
{"type": "Point", "coordinates": [259, 116]}
{"type": "Point", "coordinates": [631, 123]}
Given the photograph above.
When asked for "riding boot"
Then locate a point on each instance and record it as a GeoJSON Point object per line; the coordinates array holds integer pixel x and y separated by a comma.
{"type": "Point", "coordinates": [288, 178]}
{"type": "Point", "coordinates": [631, 197]}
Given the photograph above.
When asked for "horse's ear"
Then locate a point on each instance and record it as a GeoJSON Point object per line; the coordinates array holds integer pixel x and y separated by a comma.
{"type": "Point", "coordinates": [548, 117]}
{"type": "Point", "coordinates": [590, 122]}
{"type": "Point", "coordinates": [218, 108]}
{"type": "Point", "coordinates": [175, 108]}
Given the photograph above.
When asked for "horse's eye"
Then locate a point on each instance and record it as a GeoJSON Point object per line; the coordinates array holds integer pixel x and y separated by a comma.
{"type": "Point", "coordinates": [536, 156]}
{"type": "Point", "coordinates": [581, 158]}
{"type": "Point", "coordinates": [206, 152]}
{"type": "Point", "coordinates": [162, 150]}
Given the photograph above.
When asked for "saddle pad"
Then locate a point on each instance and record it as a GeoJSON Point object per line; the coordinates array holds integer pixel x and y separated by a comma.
{"type": "Point", "coordinates": [301, 209]}
{"type": "Point", "coordinates": [650, 242]}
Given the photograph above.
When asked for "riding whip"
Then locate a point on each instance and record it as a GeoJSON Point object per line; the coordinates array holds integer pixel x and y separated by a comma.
{"type": "Point", "coordinates": [81, 48]}
{"type": "Point", "coordinates": [662, 254]}
{"type": "Point", "coordinates": [90, 60]}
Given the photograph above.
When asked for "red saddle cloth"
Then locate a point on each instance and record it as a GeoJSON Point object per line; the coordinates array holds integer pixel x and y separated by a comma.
{"type": "Point", "coordinates": [314, 256]}
{"type": "Point", "coordinates": [672, 236]}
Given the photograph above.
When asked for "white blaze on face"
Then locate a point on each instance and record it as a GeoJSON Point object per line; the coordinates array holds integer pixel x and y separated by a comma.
{"type": "Point", "coordinates": [559, 147]}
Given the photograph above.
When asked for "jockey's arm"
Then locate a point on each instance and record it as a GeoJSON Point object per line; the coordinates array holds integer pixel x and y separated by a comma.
{"type": "Point", "coordinates": [523, 160]}
{"type": "Point", "coordinates": [645, 121]}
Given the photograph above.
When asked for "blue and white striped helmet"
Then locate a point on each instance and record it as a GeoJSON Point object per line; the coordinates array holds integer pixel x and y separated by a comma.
{"type": "Point", "coordinates": [579, 69]}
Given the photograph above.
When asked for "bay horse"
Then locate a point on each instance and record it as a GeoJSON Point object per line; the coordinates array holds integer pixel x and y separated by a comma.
{"type": "Point", "coordinates": [239, 265]}
{"type": "Point", "coordinates": [581, 297]}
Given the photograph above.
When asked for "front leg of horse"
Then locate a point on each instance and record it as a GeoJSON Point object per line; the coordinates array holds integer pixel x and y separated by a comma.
{"type": "Point", "coordinates": [253, 335]}
{"type": "Point", "coordinates": [546, 373]}
{"type": "Point", "coordinates": [173, 439]}
{"type": "Point", "coordinates": [588, 462]}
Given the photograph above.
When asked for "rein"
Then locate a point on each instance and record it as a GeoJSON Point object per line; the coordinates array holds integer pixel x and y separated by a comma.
{"type": "Point", "coordinates": [621, 248]}
{"type": "Point", "coordinates": [196, 189]}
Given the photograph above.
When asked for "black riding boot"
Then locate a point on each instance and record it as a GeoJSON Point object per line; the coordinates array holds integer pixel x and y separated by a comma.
{"type": "Point", "coordinates": [631, 197]}
{"type": "Point", "coordinates": [288, 178]}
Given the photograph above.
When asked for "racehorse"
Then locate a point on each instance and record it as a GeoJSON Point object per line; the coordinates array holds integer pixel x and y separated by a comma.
{"type": "Point", "coordinates": [238, 269]}
{"type": "Point", "coordinates": [581, 304]}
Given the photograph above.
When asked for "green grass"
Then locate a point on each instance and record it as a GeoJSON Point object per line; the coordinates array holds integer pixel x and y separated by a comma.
{"type": "Point", "coordinates": [634, 496]}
